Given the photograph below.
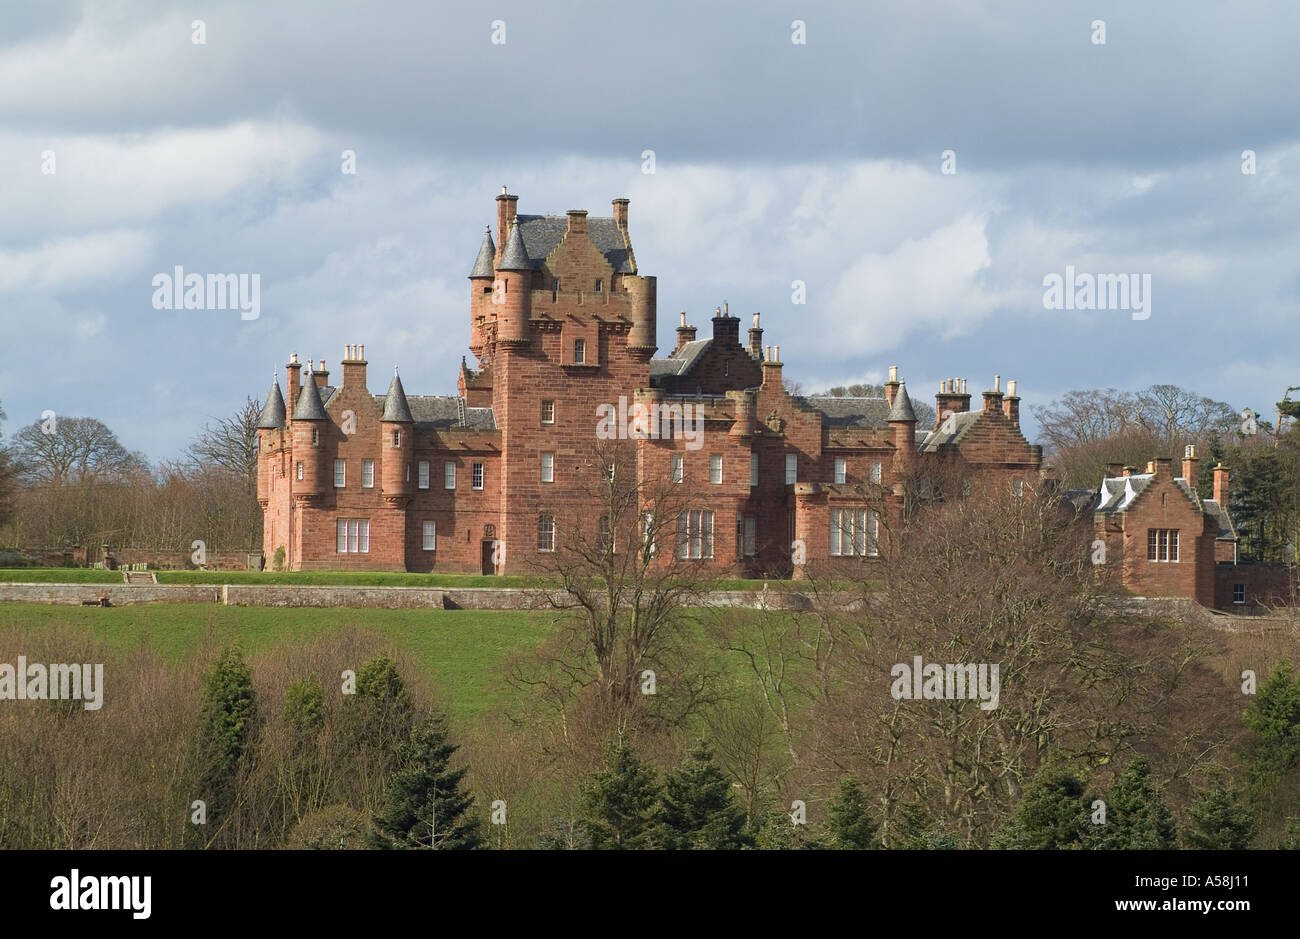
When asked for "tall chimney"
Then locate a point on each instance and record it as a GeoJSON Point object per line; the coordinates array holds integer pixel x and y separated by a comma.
{"type": "Point", "coordinates": [322, 375]}
{"type": "Point", "coordinates": [1011, 403]}
{"type": "Point", "coordinates": [620, 214]}
{"type": "Point", "coordinates": [292, 381]}
{"type": "Point", "coordinates": [1189, 466]}
{"type": "Point", "coordinates": [756, 339]}
{"type": "Point", "coordinates": [685, 333]}
{"type": "Point", "coordinates": [993, 399]}
{"type": "Point", "coordinates": [726, 331]}
{"type": "Point", "coordinates": [354, 366]}
{"type": "Point", "coordinates": [1221, 485]}
{"type": "Point", "coordinates": [772, 367]}
{"type": "Point", "coordinates": [577, 221]}
{"type": "Point", "coordinates": [507, 205]}
{"type": "Point", "coordinates": [891, 386]}
{"type": "Point", "coordinates": [1114, 470]}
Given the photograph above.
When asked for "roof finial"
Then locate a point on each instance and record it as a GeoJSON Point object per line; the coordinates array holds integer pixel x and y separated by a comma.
{"type": "Point", "coordinates": [394, 369]}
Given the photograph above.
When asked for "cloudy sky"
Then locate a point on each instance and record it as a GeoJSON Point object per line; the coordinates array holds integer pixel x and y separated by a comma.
{"type": "Point", "coordinates": [774, 161]}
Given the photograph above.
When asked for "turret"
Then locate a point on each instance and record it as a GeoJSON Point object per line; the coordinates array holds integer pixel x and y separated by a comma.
{"type": "Point", "coordinates": [902, 427]}
{"type": "Point", "coordinates": [515, 273]}
{"type": "Point", "coordinates": [309, 420]}
{"type": "Point", "coordinates": [641, 339]}
{"type": "Point", "coordinates": [270, 425]}
{"type": "Point", "coordinates": [398, 444]}
{"type": "Point", "coordinates": [480, 292]}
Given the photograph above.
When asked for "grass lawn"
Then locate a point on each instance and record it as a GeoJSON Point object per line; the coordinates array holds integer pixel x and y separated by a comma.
{"type": "Point", "coordinates": [462, 650]}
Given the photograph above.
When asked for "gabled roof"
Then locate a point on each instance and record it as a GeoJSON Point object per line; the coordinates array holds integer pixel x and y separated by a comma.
{"type": "Point", "coordinates": [848, 412]}
{"type": "Point", "coordinates": [486, 252]}
{"type": "Point", "coordinates": [273, 412]}
{"type": "Point", "coordinates": [395, 404]}
{"type": "Point", "coordinates": [681, 361]}
{"type": "Point", "coordinates": [952, 430]}
{"type": "Point", "coordinates": [309, 407]}
{"type": "Point", "coordinates": [542, 233]}
{"type": "Point", "coordinates": [441, 412]}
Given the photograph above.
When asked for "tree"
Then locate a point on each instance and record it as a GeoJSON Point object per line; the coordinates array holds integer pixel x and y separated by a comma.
{"type": "Point", "coordinates": [227, 728]}
{"type": "Point", "coordinates": [424, 805]}
{"type": "Point", "coordinates": [1219, 821]}
{"type": "Point", "coordinates": [1272, 753]}
{"type": "Point", "coordinates": [231, 444]}
{"type": "Point", "coordinates": [1137, 819]}
{"type": "Point", "coordinates": [1052, 814]}
{"type": "Point", "coordinates": [332, 828]}
{"type": "Point", "coordinates": [849, 822]}
{"type": "Point", "coordinates": [73, 450]}
{"type": "Point", "coordinates": [777, 831]}
{"type": "Point", "coordinates": [620, 802]}
{"type": "Point", "coordinates": [7, 482]}
{"type": "Point", "coordinates": [698, 810]}
{"type": "Point", "coordinates": [916, 831]}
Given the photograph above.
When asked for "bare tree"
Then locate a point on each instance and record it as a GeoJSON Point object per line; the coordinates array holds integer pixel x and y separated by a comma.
{"type": "Point", "coordinates": [73, 450]}
{"type": "Point", "coordinates": [230, 443]}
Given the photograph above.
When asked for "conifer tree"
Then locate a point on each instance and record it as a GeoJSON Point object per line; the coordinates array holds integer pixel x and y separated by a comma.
{"type": "Point", "coordinates": [1137, 818]}
{"type": "Point", "coordinates": [620, 803]}
{"type": "Point", "coordinates": [424, 804]}
{"type": "Point", "coordinates": [916, 831]}
{"type": "Point", "coordinates": [698, 809]}
{"type": "Point", "coordinates": [849, 821]}
{"type": "Point", "coordinates": [1052, 814]}
{"type": "Point", "coordinates": [1219, 821]}
{"type": "Point", "coordinates": [226, 732]}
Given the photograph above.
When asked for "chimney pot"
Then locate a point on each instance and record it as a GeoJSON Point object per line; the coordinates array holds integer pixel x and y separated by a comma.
{"type": "Point", "coordinates": [1011, 387]}
{"type": "Point", "coordinates": [756, 321]}
{"type": "Point", "coordinates": [997, 382]}
{"type": "Point", "coordinates": [893, 373]}
{"type": "Point", "coordinates": [683, 317]}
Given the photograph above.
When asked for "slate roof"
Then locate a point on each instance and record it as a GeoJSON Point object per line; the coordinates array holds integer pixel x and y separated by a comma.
{"type": "Point", "coordinates": [1118, 492]}
{"type": "Point", "coordinates": [848, 412]}
{"type": "Point", "coordinates": [951, 431]}
{"type": "Point", "coordinates": [309, 406]}
{"type": "Point", "coordinates": [902, 409]}
{"type": "Point", "coordinates": [1227, 531]}
{"type": "Point", "coordinates": [541, 234]}
{"type": "Point", "coordinates": [273, 412]}
{"type": "Point", "coordinates": [486, 252]}
{"type": "Point", "coordinates": [395, 403]}
{"type": "Point", "coordinates": [515, 256]}
{"type": "Point", "coordinates": [441, 412]}
{"type": "Point", "coordinates": [681, 361]}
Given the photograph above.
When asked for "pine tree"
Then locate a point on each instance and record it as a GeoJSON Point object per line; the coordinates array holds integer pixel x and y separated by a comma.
{"type": "Point", "coordinates": [776, 831]}
{"type": "Point", "coordinates": [1273, 717]}
{"type": "Point", "coordinates": [226, 732]}
{"type": "Point", "coordinates": [849, 822]}
{"type": "Point", "coordinates": [1052, 814]}
{"type": "Point", "coordinates": [1219, 821]}
{"type": "Point", "coordinates": [620, 802]}
{"type": "Point", "coordinates": [424, 805]}
{"type": "Point", "coordinates": [916, 831]}
{"type": "Point", "coordinates": [1137, 819]}
{"type": "Point", "coordinates": [698, 810]}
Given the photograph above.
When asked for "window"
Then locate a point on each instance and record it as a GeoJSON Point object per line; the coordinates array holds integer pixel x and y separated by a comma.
{"type": "Point", "coordinates": [875, 471]}
{"type": "Point", "coordinates": [476, 479]}
{"type": "Point", "coordinates": [597, 285]}
{"type": "Point", "coordinates": [715, 468]}
{"type": "Point", "coordinates": [367, 474]}
{"type": "Point", "coordinates": [340, 473]}
{"type": "Point", "coordinates": [604, 536]}
{"type": "Point", "coordinates": [1018, 488]}
{"type": "Point", "coordinates": [677, 467]}
{"type": "Point", "coordinates": [408, 472]}
{"type": "Point", "coordinates": [548, 412]}
{"type": "Point", "coordinates": [1162, 545]}
{"type": "Point", "coordinates": [841, 471]}
{"type": "Point", "coordinates": [791, 468]}
{"type": "Point", "coordinates": [430, 536]}
{"type": "Point", "coordinates": [1238, 593]}
{"type": "Point", "coordinates": [354, 535]}
{"type": "Point", "coordinates": [546, 533]}
{"type": "Point", "coordinates": [424, 474]}
{"type": "Point", "coordinates": [854, 533]}
{"type": "Point", "coordinates": [548, 467]}
{"type": "Point", "coordinates": [750, 539]}
{"type": "Point", "coordinates": [449, 476]}
{"type": "Point", "coordinates": [397, 438]}
{"type": "Point", "coordinates": [753, 470]}
{"type": "Point", "coordinates": [695, 534]}
{"type": "Point", "coordinates": [315, 436]}
{"type": "Point", "coordinates": [299, 473]}
{"type": "Point", "coordinates": [579, 351]}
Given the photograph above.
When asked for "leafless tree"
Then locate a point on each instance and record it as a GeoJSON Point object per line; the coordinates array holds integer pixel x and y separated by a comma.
{"type": "Point", "coordinates": [230, 443]}
{"type": "Point", "coordinates": [73, 450]}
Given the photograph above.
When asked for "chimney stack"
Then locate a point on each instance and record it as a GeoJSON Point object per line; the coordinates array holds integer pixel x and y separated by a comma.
{"type": "Point", "coordinates": [1011, 403]}
{"type": "Point", "coordinates": [891, 386]}
{"type": "Point", "coordinates": [1114, 470]}
{"type": "Point", "coordinates": [322, 375]}
{"type": "Point", "coordinates": [993, 399]}
{"type": "Point", "coordinates": [756, 339]}
{"type": "Point", "coordinates": [1221, 485]}
{"type": "Point", "coordinates": [507, 206]}
{"type": "Point", "coordinates": [292, 381]}
{"type": "Point", "coordinates": [620, 214]}
{"type": "Point", "coordinates": [952, 397]}
{"type": "Point", "coordinates": [354, 366]}
{"type": "Point", "coordinates": [685, 333]}
{"type": "Point", "coordinates": [772, 367]}
{"type": "Point", "coordinates": [726, 330]}
{"type": "Point", "coordinates": [1189, 466]}
{"type": "Point", "coordinates": [577, 221]}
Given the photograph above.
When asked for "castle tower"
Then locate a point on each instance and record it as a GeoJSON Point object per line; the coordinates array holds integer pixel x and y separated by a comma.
{"type": "Point", "coordinates": [398, 445]}
{"type": "Point", "coordinates": [481, 310]}
{"type": "Point", "coordinates": [309, 425]}
{"type": "Point", "coordinates": [515, 273]}
{"type": "Point", "coordinates": [270, 424]}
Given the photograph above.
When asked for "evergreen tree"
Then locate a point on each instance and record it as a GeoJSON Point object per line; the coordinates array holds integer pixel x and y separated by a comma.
{"type": "Point", "coordinates": [849, 821]}
{"type": "Point", "coordinates": [916, 831]}
{"type": "Point", "coordinates": [1273, 717]}
{"type": "Point", "coordinates": [776, 831]}
{"type": "Point", "coordinates": [226, 732]}
{"type": "Point", "coordinates": [620, 802]}
{"type": "Point", "coordinates": [304, 707]}
{"type": "Point", "coordinates": [698, 810]}
{"type": "Point", "coordinates": [424, 805]}
{"type": "Point", "coordinates": [1137, 819]}
{"type": "Point", "coordinates": [1218, 821]}
{"type": "Point", "coordinates": [564, 834]}
{"type": "Point", "coordinates": [1052, 814]}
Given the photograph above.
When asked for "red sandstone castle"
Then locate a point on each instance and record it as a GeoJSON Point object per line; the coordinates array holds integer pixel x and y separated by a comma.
{"type": "Point", "coordinates": [562, 327]}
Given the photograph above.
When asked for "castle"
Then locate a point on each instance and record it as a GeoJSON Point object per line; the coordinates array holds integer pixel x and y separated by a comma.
{"type": "Point", "coordinates": [563, 330]}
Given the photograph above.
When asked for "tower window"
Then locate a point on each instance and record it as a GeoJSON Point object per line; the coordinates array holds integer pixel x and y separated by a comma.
{"type": "Point", "coordinates": [597, 285]}
{"type": "Point", "coordinates": [579, 351]}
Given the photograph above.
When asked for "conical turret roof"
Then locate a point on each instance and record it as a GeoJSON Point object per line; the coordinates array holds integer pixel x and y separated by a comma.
{"type": "Point", "coordinates": [272, 416]}
{"type": "Point", "coordinates": [902, 408]}
{"type": "Point", "coordinates": [395, 407]}
{"type": "Point", "coordinates": [309, 406]}
{"type": "Point", "coordinates": [486, 252]}
{"type": "Point", "coordinates": [515, 256]}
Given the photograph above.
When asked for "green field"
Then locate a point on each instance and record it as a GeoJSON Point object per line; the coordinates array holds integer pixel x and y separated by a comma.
{"type": "Point", "coordinates": [462, 651]}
